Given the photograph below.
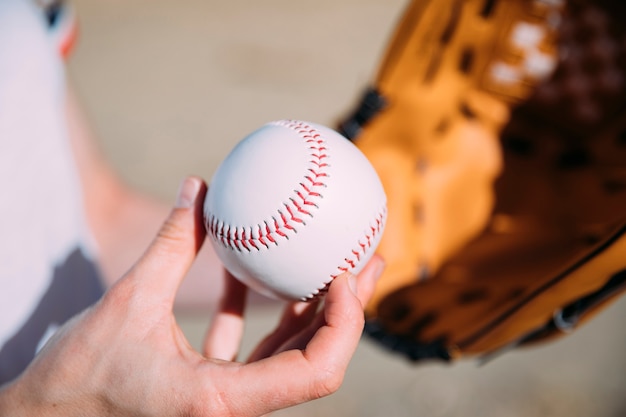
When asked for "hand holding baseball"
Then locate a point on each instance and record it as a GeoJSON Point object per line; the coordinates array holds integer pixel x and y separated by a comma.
{"type": "Point", "coordinates": [127, 356]}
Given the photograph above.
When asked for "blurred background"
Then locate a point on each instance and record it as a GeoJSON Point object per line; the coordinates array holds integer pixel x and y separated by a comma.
{"type": "Point", "coordinates": [171, 86]}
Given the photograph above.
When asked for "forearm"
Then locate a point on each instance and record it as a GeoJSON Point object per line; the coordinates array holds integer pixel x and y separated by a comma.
{"type": "Point", "coordinates": [124, 222]}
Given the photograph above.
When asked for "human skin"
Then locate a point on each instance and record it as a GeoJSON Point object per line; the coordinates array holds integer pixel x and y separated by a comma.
{"type": "Point", "coordinates": [126, 355]}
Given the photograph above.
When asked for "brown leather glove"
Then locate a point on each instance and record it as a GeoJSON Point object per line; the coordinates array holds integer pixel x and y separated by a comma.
{"type": "Point", "coordinates": [498, 130]}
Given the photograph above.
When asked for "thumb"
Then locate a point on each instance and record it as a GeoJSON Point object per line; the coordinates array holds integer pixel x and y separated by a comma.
{"type": "Point", "coordinates": [163, 266]}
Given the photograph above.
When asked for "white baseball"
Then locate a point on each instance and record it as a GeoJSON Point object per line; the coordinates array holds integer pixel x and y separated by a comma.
{"type": "Point", "coordinates": [294, 205]}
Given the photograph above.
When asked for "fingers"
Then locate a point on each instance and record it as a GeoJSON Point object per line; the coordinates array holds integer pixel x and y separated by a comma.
{"type": "Point", "coordinates": [296, 316]}
{"type": "Point", "coordinates": [223, 338]}
{"type": "Point", "coordinates": [297, 326]}
{"type": "Point", "coordinates": [296, 376]}
{"type": "Point", "coordinates": [295, 334]}
{"type": "Point", "coordinates": [163, 266]}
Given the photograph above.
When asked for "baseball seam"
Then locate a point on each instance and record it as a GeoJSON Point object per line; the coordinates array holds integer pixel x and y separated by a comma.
{"type": "Point", "coordinates": [300, 205]}
{"type": "Point", "coordinates": [364, 244]}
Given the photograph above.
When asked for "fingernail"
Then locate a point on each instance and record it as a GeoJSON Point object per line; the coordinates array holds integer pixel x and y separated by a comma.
{"type": "Point", "coordinates": [188, 192]}
{"type": "Point", "coordinates": [352, 284]}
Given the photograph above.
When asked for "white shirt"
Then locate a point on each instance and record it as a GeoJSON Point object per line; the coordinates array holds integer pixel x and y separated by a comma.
{"type": "Point", "coordinates": [46, 268]}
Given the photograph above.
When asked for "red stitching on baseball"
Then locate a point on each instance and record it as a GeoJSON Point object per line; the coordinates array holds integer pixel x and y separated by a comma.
{"type": "Point", "coordinates": [278, 231]}
{"type": "Point", "coordinates": [300, 208]}
{"type": "Point", "coordinates": [287, 219]}
{"type": "Point", "coordinates": [292, 216]}
{"type": "Point", "coordinates": [269, 234]}
{"type": "Point", "coordinates": [359, 251]}
{"type": "Point", "coordinates": [286, 222]}
{"type": "Point", "coordinates": [310, 193]}
{"type": "Point", "coordinates": [318, 174]}
{"type": "Point", "coordinates": [361, 247]}
{"type": "Point", "coordinates": [253, 244]}
{"type": "Point", "coordinates": [245, 240]}
{"type": "Point", "coordinates": [314, 183]}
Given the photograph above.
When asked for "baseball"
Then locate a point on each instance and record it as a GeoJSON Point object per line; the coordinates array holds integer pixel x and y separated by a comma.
{"type": "Point", "coordinates": [294, 205]}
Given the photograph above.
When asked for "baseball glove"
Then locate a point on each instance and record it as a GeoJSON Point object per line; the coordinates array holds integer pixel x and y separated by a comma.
{"type": "Point", "coordinates": [498, 129]}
